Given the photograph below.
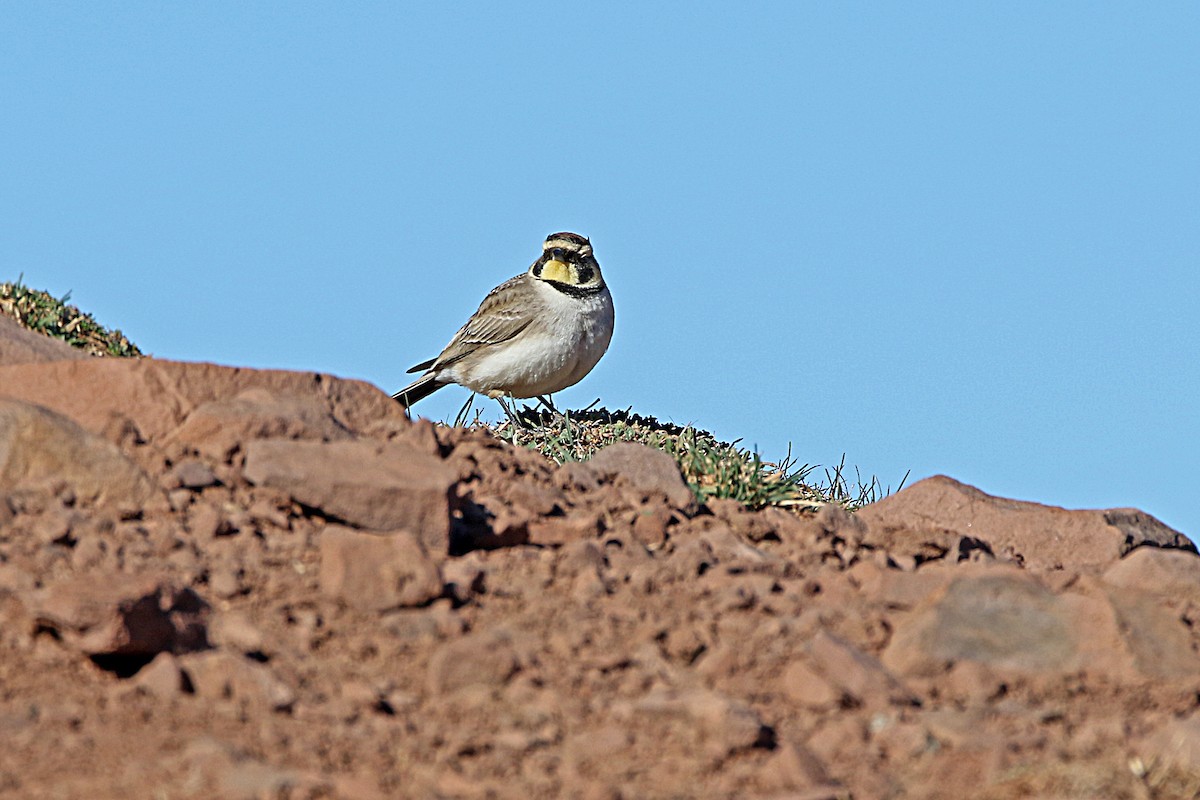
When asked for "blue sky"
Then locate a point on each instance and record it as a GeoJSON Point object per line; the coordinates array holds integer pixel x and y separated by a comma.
{"type": "Point", "coordinates": [940, 237]}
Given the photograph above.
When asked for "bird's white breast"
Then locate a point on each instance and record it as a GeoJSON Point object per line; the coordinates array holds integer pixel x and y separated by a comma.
{"type": "Point", "coordinates": [560, 347]}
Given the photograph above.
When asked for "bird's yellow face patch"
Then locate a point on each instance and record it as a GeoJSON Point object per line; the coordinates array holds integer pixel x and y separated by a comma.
{"type": "Point", "coordinates": [555, 270]}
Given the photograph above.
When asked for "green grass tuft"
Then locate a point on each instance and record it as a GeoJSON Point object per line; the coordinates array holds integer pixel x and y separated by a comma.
{"type": "Point", "coordinates": [712, 468]}
{"type": "Point", "coordinates": [43, 313]}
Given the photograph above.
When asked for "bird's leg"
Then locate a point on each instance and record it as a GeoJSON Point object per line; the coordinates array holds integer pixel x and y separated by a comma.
{"type": "Point", "coordinates": [513, 417]}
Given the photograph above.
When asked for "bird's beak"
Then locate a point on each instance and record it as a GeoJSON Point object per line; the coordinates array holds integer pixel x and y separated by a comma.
{"type": "Point", "coordinates": [555, 270]}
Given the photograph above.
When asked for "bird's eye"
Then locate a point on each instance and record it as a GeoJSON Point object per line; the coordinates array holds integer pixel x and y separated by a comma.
{"type": "Point", "coordinates": [557, 253]}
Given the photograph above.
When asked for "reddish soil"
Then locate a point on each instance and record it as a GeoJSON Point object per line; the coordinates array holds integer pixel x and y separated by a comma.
{"type": "Point", "coordinates": [231, 583]}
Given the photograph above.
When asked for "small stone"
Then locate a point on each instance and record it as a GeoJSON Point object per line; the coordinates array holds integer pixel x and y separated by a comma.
{"type": "Point", "coordinates": [205, 522]}
{"type": "Point", "coordinates": [794, 767]}
{"type": "Point", "coordinates": [377, 571]}
{"type": "Point", "coordinates": [379, 487]}
{"type": "Point", "coordinates": [576, 476]}
{"type": "Point", "coordinates": [179, 499]}
{"type": "Point", "coordinates": [802, 685]}
{"type": "Point", "coordinates": [223, 676]}
{"type": "Point", "coordinates": [234, 630]}
{"type": "Point", "coordinates": [193, 474]}
{"type": "Point", "coordinates": [645, 469]}
{"type": "Point", "coordinates": [15, 579]}
{"type": "Point", "coordinates": [1160, 571]}
{"type": "Point", "coordinates": [578, 525]}
{"type": "Point", "coordinates": [162, 677]}
{"type": "Point", "coordinates": [856, 673]}
{"type": "Point", "coordinates": [724, 724]}
{"type": "Point", "coordinates": [464, 577]}
{"type": "Point", "coordinates": [225, 581]}
{"type": "Point", "coordinates": [485, 659]}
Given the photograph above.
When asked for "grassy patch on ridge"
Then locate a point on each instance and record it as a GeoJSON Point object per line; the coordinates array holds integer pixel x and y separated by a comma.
{"type": "Point", "coordinates": [43, 313]}
{"type": "Point", "coordinates": [712, 468]}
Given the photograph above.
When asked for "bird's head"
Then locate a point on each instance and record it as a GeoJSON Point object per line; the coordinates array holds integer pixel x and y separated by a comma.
{"type": "Point", "coordinates": [568, 263]}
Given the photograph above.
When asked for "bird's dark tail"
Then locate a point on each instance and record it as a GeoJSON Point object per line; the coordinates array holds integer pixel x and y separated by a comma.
{"type": "Point", "coordinates": [419, 389]}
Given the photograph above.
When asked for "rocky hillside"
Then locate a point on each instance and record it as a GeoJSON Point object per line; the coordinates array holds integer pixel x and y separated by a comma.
{"type": "Point", "coordinates": [220, 582]}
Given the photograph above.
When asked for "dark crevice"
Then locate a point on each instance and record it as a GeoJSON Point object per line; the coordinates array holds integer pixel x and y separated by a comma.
{"type": "Point", "coordinates": [123, 665]}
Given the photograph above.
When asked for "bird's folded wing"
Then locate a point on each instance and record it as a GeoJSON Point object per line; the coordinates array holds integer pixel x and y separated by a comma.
{"type": "Point", "coordinates": [502, 315]}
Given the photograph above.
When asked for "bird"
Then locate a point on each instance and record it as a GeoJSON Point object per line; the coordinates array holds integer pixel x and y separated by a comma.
{"type": "Point", "coordinates": [533, 335]}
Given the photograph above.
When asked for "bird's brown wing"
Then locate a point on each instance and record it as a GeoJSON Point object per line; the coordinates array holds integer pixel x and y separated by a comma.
{"type": "Point", "coordinates": [502, 315]}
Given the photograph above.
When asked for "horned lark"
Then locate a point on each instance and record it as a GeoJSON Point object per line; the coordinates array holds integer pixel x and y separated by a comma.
{"type": "Point", "coordinates": [533, 335]}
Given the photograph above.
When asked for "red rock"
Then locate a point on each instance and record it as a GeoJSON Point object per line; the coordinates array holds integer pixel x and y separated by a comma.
{"type": "Point", "coordinates": [224, 580]}
{"type": "Point", "coordinates": [486, 659]}
{"type": "Point", "coordinates": [1152, 569]}
{"type": "Point", "coordinates": [897, 589]}
{"type": "Point", "coordinates": [952, 773]}
{"type": "Point", "coordinates": [220, 676]}
{"type": "Point", "coordinates": [251, 780]}
{"type": "Point", "coordinates": [219, 427]}
{"type": "Point", "coordinates": [857, 674]}
{"type": "Point", "coordinates": [1002, 618]}
{"type": "Point", "coordinates": [21, 346]}
{"type": "Point", "coordinates": [377, 571]}
{"type": "Point", "coordinates": [724, 725]}
{"type": "Point", "coordinates": [646, 470]}
{"type": "Point", "coordinates": [15, 580]}
{"type": "Point", "coordinates": [39, 449]}
{"type": "Point", "coordinates": [366, 484]}
{"type": "Point", "coordinates": [578, 526]}
{"type": "Point", "coordinates": [158, 395]}
{"type": "Point", "coordinates": [192, 474]}
{"type": "Point", "coordinates": [796, 770]}
{"type": "Point", "coordinates": [802, 685]}
{"type": "Point", "coordinates": [357, 787]}
{"type": "Point", "coordinates": [576, 476]}
{"type": "Point", "coordinates": [971, 684]}
{"type": "Point", "coordinates": [1175, 745]}
{"type": "Point", "coordinates": [1008, 620]}
{"type": "Point", "coordinates": [162, 677]}
{"type": "Point", "coordinates": [1156, 639]}
{"type": "Point", "coordinates": [206, 522]}
{"type": "Point", "coordinates": [464, 577]}
{"type": "Point", "coordinates": [943, 514]}
{"type": "Point", "coordinates": [234, 630]}
{"type": "Point", "coordinates": [597, 667]}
